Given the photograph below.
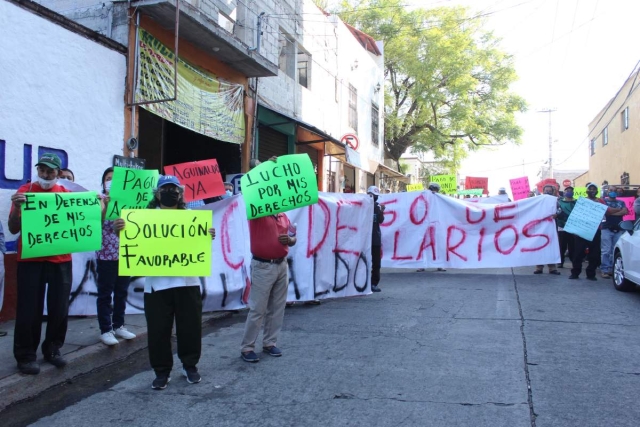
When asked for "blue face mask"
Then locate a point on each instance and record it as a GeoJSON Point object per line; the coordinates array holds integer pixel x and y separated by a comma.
{"type": "Point", "coordinates": [568, 194]}
{"type": "Point", "coordinates": [612, 194]}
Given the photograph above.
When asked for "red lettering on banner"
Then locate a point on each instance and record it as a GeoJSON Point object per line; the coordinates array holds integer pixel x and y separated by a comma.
{"type": "Point", "coordinates": [496, 239]}
{"type": "Point", "coordinates": [432, 243]}
{"type": "Point", "coordinates": [480, 242]}
{"type": "Point", "coordinates": [345, 227]}
{"type": "Point", "coordinates": [395, 255]}
{"type": "Point", "coordinates": [528, 227]}
{"type": "Point", "coordinates": [452, 249]}
{"type": "Point", "coordinates": [482, 217]}
{"type": "Point", "coordinates": [225, 241]}
{"type": "Point", "coordinates": [497, 217]}
{"type": "Point", "coordinates": [389, 220]}
{"type": "Point", "coordinates": [412, 210]}
{"type": "Point", "coordinates": [327, 221]}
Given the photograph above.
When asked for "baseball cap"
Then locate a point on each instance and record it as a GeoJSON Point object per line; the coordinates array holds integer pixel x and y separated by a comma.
{"type": "Point", "coordinates": [502, 190]}
{"type": "Point", "coordinates": [434, 185]}
{"type": "Point", "coordinates": [568, 187]}
{"type": "Point", "coordinates": [373, 190]}
{"type": "Point", "coordinates": [168, 179]}
{"type": "Point", "coordinates": [589, 184]}
{"type": "Point", "coordinates": [51, 160]}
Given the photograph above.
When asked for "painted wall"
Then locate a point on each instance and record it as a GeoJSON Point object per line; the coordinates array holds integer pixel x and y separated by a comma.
{"type": "Point", "coordinates": [60, 92]}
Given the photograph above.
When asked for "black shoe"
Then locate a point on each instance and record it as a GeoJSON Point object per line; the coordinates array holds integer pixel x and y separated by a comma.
{"type": "Point", "coordinates": [250, 356]}
{"type": "Point", "coordinates": [29, 368]}
{"type": "Point", "coordinates": [192, 375]}
{"type": "Point", "coordinates": [592, 278]}
{"type": "Point", "coordinates": [56, 360]}
{"type": "Point", "coordinates": [573, 276]}
{"type": "Point", "coordinates": [161, 381]}
{"type": "Point", "coordinates": [375, 288]}
{"type": "Point", "coordinates": [272, 351]}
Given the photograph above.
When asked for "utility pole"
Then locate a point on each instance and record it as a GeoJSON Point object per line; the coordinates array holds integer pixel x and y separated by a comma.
{"type": "Point", "coordinates": [549, 111]}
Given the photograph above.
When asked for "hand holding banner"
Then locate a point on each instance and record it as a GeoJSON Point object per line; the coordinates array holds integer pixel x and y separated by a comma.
{"type": "Point", "coordinates": [280, 186]}
{"type": "Point", "coordinates": [585, 218]}
{"type": "Point", "coordinates": [165, 242]}
{"type": "Point", "coordinates": [415, 187]}
{"type": "Point", "coordinates": [520, 187]}
{"type": "Point", "coordinates": [447, 183]}
{"type": "Point", "coordinates": [130, 189]}
{"type": "Point", "coordinates": [61, 223]}
{"type": "Point", "coordinates": [201, 179]}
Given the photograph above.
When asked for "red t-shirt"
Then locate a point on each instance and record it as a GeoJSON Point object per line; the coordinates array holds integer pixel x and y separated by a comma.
{"type": "Point", "coordinates": [34, 187]}
{"type": "Point", "coordinates": [264, 234]}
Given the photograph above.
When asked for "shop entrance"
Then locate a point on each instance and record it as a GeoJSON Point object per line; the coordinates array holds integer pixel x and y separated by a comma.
{"type": "Point", "coordinates": [164, 143]}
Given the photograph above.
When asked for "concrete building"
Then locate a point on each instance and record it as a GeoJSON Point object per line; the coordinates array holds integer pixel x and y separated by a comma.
{"type": "Point", "coordinates": [420, 166]}
{"type": "Point", "coordinates": [613, 136]}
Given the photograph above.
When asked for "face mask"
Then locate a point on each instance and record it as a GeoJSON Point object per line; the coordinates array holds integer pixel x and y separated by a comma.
{"type": "Point", "coordinates": [107, 186]}
{"type": "Point", "coordinates": [169, 199]}
{"type": "Point", "coordinates": [613, 195]}
{"type": "Point", "coordinates": [47, 184]}
{"type": "Point", "coordinates": [568, 194]}
{"type": "Point", "coordinates": [229, 193]}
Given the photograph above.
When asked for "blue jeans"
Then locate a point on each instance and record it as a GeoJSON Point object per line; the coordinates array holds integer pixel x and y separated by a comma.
{"type": "Point", "coordinates": [111, 317]}
{"type": "Point", "coordinates": [608, 242]}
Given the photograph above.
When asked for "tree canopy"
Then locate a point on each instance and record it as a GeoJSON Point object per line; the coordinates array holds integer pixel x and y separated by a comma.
{"type": "Point", "coordinates": [447, 83]}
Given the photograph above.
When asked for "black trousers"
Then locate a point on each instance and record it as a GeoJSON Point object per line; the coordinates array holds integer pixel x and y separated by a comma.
{"type": "Point", "coordinates": [33, 278]}
{"type": "Point", "coordinates": [593, 258]}
{"type": "Point", "coordinates": [566, 241]}
{"type": "Point", "coordinates": [375, 264]}
{"type": "Point", "coordinates": [111, 316]}
{"type": "Point", "coordinates": [184, 304]}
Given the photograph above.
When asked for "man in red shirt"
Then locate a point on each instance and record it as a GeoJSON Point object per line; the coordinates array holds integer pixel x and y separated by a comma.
{"type": "Point", "coordinates": [270, 238]}
{"type": "Point", "coordinates": [33, 276]}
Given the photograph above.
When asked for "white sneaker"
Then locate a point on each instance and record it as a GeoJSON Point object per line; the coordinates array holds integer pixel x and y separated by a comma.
{"type": "Point", "coordinates": [108, 338]}
{"type": "Point", "coordinates": [122, 332]}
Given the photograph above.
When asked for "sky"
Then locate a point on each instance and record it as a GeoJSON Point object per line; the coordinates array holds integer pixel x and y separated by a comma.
{"type": "Point", "coordinates": [571, 56]}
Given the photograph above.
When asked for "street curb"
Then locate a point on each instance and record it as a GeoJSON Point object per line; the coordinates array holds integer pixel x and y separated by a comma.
{"type": "Point", "coordinates": [18, 387]}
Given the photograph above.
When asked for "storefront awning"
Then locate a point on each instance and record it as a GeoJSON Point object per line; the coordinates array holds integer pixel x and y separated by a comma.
{"type": "Point", "coordinates": [393, 174]}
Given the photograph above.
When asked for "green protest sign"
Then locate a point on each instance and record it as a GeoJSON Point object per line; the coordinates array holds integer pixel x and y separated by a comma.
{"type": "Point", "coordinates": [61, 223]}
{"type": "Point", "coordinates": [471, 192]}
{"type": "Point", "coordinates": [279, 186]}
{"type": "Point", "coordinates": [447, 183]}
{"type": "Point", "coordinates": [165, 242]}
{"type": "Point", "coordinates": [130, 189]}
{"type": "Point", "coordinates": [582, 192]}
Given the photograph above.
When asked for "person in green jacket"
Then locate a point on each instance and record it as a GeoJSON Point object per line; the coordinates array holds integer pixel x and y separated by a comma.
{"type": "Point", "coordinates": [565, 206]}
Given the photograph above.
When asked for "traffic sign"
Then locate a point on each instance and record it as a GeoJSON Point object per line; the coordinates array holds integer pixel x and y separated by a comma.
{"type": "Point", "coordinates": [566, 183]}
{"type": "Point", "coordinates": [351, 140]}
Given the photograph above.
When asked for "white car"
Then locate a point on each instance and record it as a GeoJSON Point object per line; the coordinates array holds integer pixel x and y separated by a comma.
{"type": "Point", "coordinates": [626, 258]}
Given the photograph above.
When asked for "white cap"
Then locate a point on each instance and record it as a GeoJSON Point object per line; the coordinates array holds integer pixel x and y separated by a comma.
{"type": "Point", "coordinates": [502, 190]}
{"type": "Point", "coordinates": [589, 184]}
{"type": "Point", "coordinates": [373, 190]}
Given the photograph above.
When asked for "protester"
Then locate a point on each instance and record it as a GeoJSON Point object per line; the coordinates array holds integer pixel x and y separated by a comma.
{"type": "Point", "coordinates": [228, 188]}
{"type": "Point", "coordinates": [110, 283]}
{"type": "Point", "coordinates": [173, 298]}
{"type": "Point", "coordinates": [581, 245]}
{"type": "Point", "coordinates": [503, 192]}
{"type": "Point", "coordinates": [566, 240]}
{"type": "Point", "coordinates": [531, 194]}
{"type": "Point", "coordinates": [66, 173]}
{"type": "Point", "coordinates": [636, 204]}
{"type": "Point", "coordinates": [376, 237]}
{"type": "Point", "coordinates": [548, 190]}
{"type": "Point", "coordinates": [3, 249]}
{"type": "Point", "coordinates": [33, 276]}
{"type": "Point", "coordinates": [611, 230]}
{"type": "Point", "coordinates": [434, 187]}
{"type": "Point", "coordinates": [270, 238]}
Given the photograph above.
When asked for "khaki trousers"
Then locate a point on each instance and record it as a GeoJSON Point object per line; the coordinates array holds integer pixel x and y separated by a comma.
{"type": "Point", "coordinates": [267, 299]}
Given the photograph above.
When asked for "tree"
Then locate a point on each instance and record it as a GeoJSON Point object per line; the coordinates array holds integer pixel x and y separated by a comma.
{"type": "Point", "coordinates": [446, 81]}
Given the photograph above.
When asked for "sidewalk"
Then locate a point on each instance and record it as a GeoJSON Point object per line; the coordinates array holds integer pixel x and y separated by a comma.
{"type": "Point", "coordinates": [83, 350]}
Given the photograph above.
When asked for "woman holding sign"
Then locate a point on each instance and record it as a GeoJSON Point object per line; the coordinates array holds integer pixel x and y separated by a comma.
{"type": "Point", "coordinates": [169, 298]}
{"type": "Point", "coordinates": [111, 317]}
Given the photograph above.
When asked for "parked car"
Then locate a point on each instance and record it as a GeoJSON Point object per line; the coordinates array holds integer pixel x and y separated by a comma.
{"type": "Point", "coordinates": [626, 258]}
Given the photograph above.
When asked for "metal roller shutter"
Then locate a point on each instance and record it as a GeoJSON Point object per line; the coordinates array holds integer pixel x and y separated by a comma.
{"type": "Point", "coordinates": [271, 143]}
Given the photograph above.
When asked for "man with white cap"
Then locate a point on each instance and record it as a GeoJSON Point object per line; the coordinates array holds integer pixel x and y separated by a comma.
{"type": "Point", "coordinates": [376, 238]}
{"type": "Point", "coordinates": [503, 192]}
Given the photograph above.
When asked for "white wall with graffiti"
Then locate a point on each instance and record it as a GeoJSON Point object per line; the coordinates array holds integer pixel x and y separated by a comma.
{"type": "Point", "coordinates": [62, 93]}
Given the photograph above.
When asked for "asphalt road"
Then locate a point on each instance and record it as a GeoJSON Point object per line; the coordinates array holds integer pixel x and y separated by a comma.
{"type": "Point", "coordinates": [455, 348]}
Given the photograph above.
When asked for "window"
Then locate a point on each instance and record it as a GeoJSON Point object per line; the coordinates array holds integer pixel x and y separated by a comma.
{"type": "Point", "coordinates": [593, 146]}
{"type": "Point", "coordinates": [304, 62]}
{"type": "Point", "coordinates": [286, 56]}
{"type": "Point", "coordinates": [605, 136]}
{"type": "Point", "coordinates": [625, 119]}
{"type": "Point", "coordinates": [353, 108]}
{"type": "Point", "coordinates": [374, 125]}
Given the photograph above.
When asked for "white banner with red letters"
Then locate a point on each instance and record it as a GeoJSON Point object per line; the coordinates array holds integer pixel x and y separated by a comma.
{"type": "Point", "coordinates": [431, 230]}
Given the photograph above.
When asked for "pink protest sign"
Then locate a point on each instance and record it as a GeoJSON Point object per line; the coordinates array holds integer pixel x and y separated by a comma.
{"type": "Point", "coordinates": [520, 187]}
{"type": "Point", "coordinates": [628, 201]}
{"type": "Point", "coordinates": [201, 179]}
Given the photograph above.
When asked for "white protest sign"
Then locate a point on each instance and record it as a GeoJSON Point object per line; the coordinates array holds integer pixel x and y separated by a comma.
{"type": "Point", "coordinates": [431, 230]}
{"type": "Point", "coordinates": [585, 218]}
